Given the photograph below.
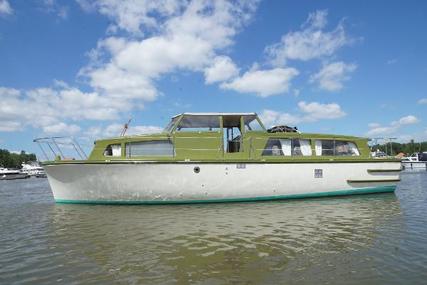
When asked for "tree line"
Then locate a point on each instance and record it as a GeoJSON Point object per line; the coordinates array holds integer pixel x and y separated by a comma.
{"type": "Point", "coordinates": [14, 160]}
{"type": "Point", "coordinates": [394, 148]}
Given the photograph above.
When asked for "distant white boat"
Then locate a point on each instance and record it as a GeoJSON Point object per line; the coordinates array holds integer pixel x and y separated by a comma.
{"type": "Point", "coordinates": [33, 168]}
{"type": "Point", "coordinates": [11, 174]}
{"type": "Point", "coordinates": [417, 161]}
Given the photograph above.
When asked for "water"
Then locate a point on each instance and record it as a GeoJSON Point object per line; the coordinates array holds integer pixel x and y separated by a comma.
{"type": "Point", "coordinates": [370, 239]}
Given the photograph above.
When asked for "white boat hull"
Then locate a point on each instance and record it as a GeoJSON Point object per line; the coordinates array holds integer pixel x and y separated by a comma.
{"type": "Point", "coordinates": [414, 165]}
{"type": "Point", "coordinates": [134, 183]}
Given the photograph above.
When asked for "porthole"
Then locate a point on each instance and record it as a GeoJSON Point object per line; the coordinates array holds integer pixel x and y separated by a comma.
{"type": "Point", "coordinates": [196, 169]}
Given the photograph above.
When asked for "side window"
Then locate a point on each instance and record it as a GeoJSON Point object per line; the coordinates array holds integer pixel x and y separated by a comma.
{"type": "Point", "coordinates": [301, 147]}
{"type": "Point", "coordinates": [336, 148]}
{"type": "Point", "coordinates": [149, 148]}
{"type": "Point", "coordinates": [274, 147]}
{"type": "Point", "coordinates": [346, 148]}
{"type": "Point", "coordinates": [287, 147]}
{"type": "Point", "coordinates": [114, 150]}
{"type": "Point", "coordinates": [327, 147]}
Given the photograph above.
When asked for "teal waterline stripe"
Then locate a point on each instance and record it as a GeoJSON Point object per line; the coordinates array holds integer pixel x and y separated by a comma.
{"type": "Point", "coordinates": [358, 191]}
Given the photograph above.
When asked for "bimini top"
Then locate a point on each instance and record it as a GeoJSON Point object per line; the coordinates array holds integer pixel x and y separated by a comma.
{"type": "Point", "coordinates": [215, 114]}
{"type": "Point", "coordinates": [212, 121]}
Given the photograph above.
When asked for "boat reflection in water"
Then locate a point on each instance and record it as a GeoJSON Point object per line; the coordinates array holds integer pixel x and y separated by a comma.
{"type": "Point", "coordinates": [224, 243]}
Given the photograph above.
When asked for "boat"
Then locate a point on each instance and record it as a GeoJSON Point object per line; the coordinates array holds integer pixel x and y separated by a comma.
{"type": "Point", "coordinates": [41, 174]}
{"type": "Point", "coordinates": [33, 168]}
{"type": "Point", "coordinates": [417, 161]}
{"type": "Point", "coordinates": [12, 174]}
{"type": "Point", "coordinates": [219, 157]}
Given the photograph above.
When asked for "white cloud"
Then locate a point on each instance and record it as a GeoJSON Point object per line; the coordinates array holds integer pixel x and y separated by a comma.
{"type": "Point", "coordinates": [48, 108]}
{"type": "Point", "coordinates": [316, 111]}
{"type": "Point", "coordinates": [9, 126]}
{"type": "Point", "coordinates": [332, 76]}
{"type": "Point", "coordinates": [138, 130]}
{"type": "Point", "coordinates": [393, 128]}
{"type": "Point", "coordinates": [9, 92]}
{"type": "Point", "coordinates": [114, 130]}
{"type": "Point", "coordinates": [222, 69]}
{"type": "Point", "coordinates": [263, 83]}
{"type": "Point", "coordinates": [374, 125]}
{"type": "Point", "coordinates": [160, 37]}
{"type": "Point", "coordinates": [309, 43]}
{"type": "Point", "coordinates": [422, 101]}
{"type": "Point", "coordinates": [381, 131]}
{"type": "Point", "coordinates": [5, 8]}
{"type": "Point", "coordinates": [112, 81]}
{"type": "Point", "coordinates": [131, 15]}
{"type": "Point", "coordinates": [407, 120]}
{"type": "Point", "coordinates": [308, 112]}
{"type": "Point", "coordinates": [271, 117]}
{"type": "Point", "coordinates": [185, 37]}
{"type": "Point", "coordinates": [61, 128]}
{"type": "Point", "coordinates": [57, 111]}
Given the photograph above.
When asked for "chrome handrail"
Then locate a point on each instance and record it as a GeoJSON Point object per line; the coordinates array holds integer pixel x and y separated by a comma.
{"type": "Point", "coordinates": [55, 143]}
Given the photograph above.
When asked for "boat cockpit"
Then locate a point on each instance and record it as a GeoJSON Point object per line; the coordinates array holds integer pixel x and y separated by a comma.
{"type": "Point", "coordinates": [231, 125]}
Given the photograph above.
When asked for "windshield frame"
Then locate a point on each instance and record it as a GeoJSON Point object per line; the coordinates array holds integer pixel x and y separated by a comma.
{"type": "Point", "coordinates": [172, 124]}
{"type": "Point", "coordinates": [254, 118]}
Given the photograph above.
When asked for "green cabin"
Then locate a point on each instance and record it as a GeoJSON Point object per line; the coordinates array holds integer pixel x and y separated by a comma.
{"type": "Point", "coordinates": [234, 137]}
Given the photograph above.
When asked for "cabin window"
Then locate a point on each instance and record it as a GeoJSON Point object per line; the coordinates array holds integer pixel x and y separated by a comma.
{"type": "Point", "coordinates": [150, 148]}
{"type": "Point", "coordinates": [274, 147]}
{"type": "Point", "coordinates": [199, 123]}
{"type": "Point", "coordinates": [301, 147]}
{"type": "Point", "coordinates": [324, 147]}
{"type": "Point", "coordinates": [252, 124]}
{"type": "Point", "coordinates": [336, 148]}
{"type": "Point", "coordinates": [345, 148]}
{"type": "Point", "coordinates": [287, 147]}
{"type": "Point", "coordinates": [171, 124]}
{"type": "Point", "coordinates": [114, 150]}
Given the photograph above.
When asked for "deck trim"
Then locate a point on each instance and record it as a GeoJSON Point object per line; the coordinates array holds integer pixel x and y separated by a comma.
{"type": "Point", "coordinates": [373, 181]}
{"type": "Point", "coordinates": [384, 170]}
{"type": "Point", "coordinates": [302, 161]}
{"type": "Point", "coordinates": [357, 191]}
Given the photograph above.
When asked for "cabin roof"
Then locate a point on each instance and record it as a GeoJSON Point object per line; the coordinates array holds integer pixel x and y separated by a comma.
{"type": "Point", "coordinates": [215, 114]}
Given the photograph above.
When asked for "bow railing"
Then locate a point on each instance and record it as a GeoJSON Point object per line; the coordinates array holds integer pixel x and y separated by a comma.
{"type": "Point", "coordinates": [62, 148]}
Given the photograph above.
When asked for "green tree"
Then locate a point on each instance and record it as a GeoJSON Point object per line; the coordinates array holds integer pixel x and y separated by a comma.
{"type": "Point", "coordinates": [396, 148]}
{"type": "Point", "coordinates": [13, 160]}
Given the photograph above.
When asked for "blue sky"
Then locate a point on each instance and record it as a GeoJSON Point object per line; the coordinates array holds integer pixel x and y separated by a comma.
{"type": "Point", "coordinates": [83, 68]}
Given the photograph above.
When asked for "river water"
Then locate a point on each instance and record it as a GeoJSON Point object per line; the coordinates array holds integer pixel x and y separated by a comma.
{"type": "Point", "coordinates": [367, 239]}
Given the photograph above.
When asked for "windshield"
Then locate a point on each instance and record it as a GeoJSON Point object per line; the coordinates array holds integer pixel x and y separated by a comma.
{"type": "Point", "coordinates": [252, 124]}
{"type": "Point", "coordinates": [170, 126]}
{"type": "Point", "coordinates": [199, 123]}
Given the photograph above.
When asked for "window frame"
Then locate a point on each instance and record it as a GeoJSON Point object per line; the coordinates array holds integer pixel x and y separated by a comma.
{"type": "Point", "coordinates": [334, 146]}
{"type": "Point", "coordinates": [193, 130]}
{"type": "Point", "coordinates": [292, 146]}
{"type": "Point", "coordinates": [112, 152]}
{"type": "Point", "coordinates": [128, 151]}
{"type": "Point", "coordinates": [255, 119]}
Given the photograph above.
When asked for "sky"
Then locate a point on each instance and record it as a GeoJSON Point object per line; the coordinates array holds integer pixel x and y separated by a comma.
{"type": "Point", "coordinates": [83, 68]}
